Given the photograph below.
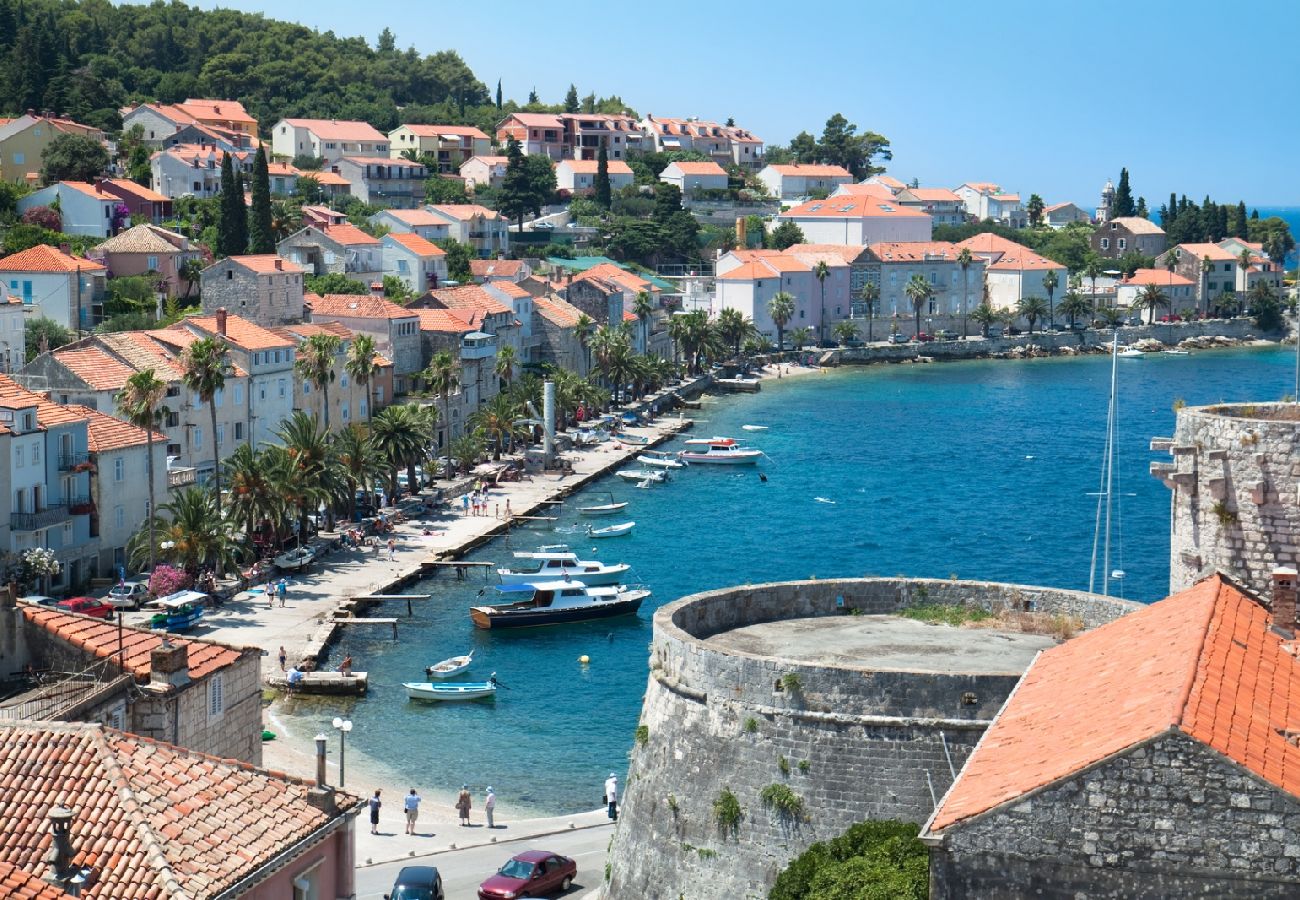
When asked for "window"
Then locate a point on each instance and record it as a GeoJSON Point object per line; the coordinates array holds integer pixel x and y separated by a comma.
{"type": "Point", "coordinates": [216, 696]}
{"type": "Point", "coordinates": [219, 397]}
{"type": "Point", "coordinates": [198, 438]}
{"type": "Point", "coordinates": [119, 470]}
{"type": "Point", "coordinates": [119, 517]}
{"type": "Point", "coordinates": [345, 413]}
{"type": "Point", "coordinates": [343, 381]}
{"type": "Point", "coordinates": [173, 449]}
{"type": "Point", "coordinates": [19, 159]}
{"type": "Point", "coordinates": [261, 392]}
{"type": "Point", "coordinates": [221, 435]}
{"type": "Point", "coordinates": [153, 263]}
{"type": "Point", "coordinates": [282, 393]}
{"type": "Point", "coordinates": [306, 388]}
{"type": "Point", "coordinates": [230, 274]}
{"type": "Point", "coordinates": [1105, 243]}
{"type": "Point", "coordinates": [239, 431]}
{"type": "Point", "coordinates": [1227, 267]}
{"type": "Point", "coordinates": [1121, 244]}
{"type": "Point", "coordinates": [239, 394]}
{"type": "Point", "coordinates": [36, 453]}
{"type": "Point", "coordinates": [18, 457]}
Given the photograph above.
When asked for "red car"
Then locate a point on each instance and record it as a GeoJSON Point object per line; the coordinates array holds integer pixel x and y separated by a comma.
{"type": "Point", "coordinates": [87, 606]}
{"type": "Point", "coordinates": [533, 873]}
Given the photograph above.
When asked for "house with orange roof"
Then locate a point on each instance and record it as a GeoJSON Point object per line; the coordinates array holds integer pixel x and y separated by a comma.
{"type": "Point", "coordinates": [578, 176]}
{"type": "Point", "coordinates": [1179, 291]}
{"type": "Point", "coordinates": [419, 221]}
{"type": "Point", "coordinates": [692, 177]}
{"type": "Point", "coordinates": [83, 208]}
{"type": "Point", "coordinates": [1013, 271]}
{"type": "Point", "coordinates": [888, 182]}
{"type": "Point", "coordinates": [149, 250]}
{"type": "Point", "coordinates": [383, 181]}
{"type": "Point", "coordinates": [729, 145]}
{"type": "Point", "coordinates": [1154, 756]}
{"type": "Point", "coordinates": [857, 219]}
{"type": "Point", "coordinates": [343, 249]}
{"type": "Point", "coordinates": [747, 280]}
{"type": "Point", "coordinates": [515, 270]}
{"type": "Point", "coordinates": [607, 293]}
{"type": "Point", "coordinates": [13, 332]}
{"type": "Point", "coordinates": [416, 262]}
{"type": "Point", "coordinates": [349, 401]}
{"type": "Point", "coordinates": [1128, 234]}
{"type": "Point", "coordinates": [483, 229]}
{"type": "Point", "coordinates": [537, 133]}
{"type": "Point", "coordinates": [450, 145]}
{"type": "Point", "coordinates": [484, 170]}
{"type": "Point", "coordinates": [161, 122]}
{"type": "Point", "coordinates": [119, 482]}
{"type": "Point", "coordinates": [942, 205]}
{"type": "Point", "coordinates": [326, 139]}
{"type": "Point", "coordinates": [863, 267]}
{"type": "Point", "coordinates": [450, 330]}
{"type": "Point", "coordinates": [1215, 269]}
{"type": "Point", "coordinates": [140, 200]}
{"type": "Point", "coordinates": [797, 181]}
{"type": "Point", "coordinates": [557, 340]}
{"type": "Point", "coordinates": [585, 133]}
{"type": "Point", "coordinates": [263, 288]}
{"type": "Point", "coordinates": [1058, 215]}
{"type": "Point", "coordinates": [1259, 269]}
{"type": "Point", "coordinates": [487, 309]}
{"type": "Point", "coordinates": [193, 169]}
{"type": "Point", "coordinates": [895, 263]}
{"type": "Point", "coordinates": [864, 189]}
{"type": "Point", "coordinates": [396, 329]}
{"type": "Point", "coordinates": [24, 139]}
{"type": "Point", "coordinates": [56, 285]}
{"type": "Point", "coordinates": [986, 201]}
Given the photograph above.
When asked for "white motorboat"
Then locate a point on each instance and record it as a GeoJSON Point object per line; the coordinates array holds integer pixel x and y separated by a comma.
{"type": "Point", "coordinates": [660, 460]}
{"type": "Point", "coordinates": [603, 509]}
{"type": "Point", "coordinates": [724, 451]}
{"type": "Point", "coordinates": [754, 427]}
{"type": "Point", "coordinates": [1174, 351]}
{"type": "Point", "coordinates": [556, 603]}
{"type": "Point", "coordinates": [549, 565]}
{"type": "Point", "coordinates": [611, 531]}
{"type": "Point", "coordinates": [1130, 353]}
{"type": "Point", "coordinates": [295, 559]}
{"type": "Point", "coordinates": [469, 690]}
{"type": "Point", "coordinates": [449, 667]}
{"type": "Point", "coordinates": [642, 475]}
{"type": "Point", "coordinates": [704, 442]}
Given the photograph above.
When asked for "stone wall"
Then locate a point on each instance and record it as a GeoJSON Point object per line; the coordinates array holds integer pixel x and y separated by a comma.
{"type": "Point", "coordinates": [852, 743]}
{"type": "Point", "coordinates": [1235, 476]}
{"type": "Point", "coordinates": [1169, 818]}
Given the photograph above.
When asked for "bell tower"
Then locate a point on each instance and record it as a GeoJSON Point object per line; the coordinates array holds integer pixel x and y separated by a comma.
{"type": "Point", "coordinates": [1107, 203]}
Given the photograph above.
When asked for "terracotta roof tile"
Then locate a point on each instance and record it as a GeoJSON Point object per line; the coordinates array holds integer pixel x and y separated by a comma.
{"type": "Point", "coordinates": [265, 264]}
{"type": "Point", "coordinates": [699, 168]}
{"type": "Point", "coordinates": [1200, 251]}
{"type": "Point", "coordinates": [629, 281]}
{"type": "Point", "coordinates": [349, 234]}
{"type": "Point", "coordinates": [416, 217]}
{"type": "Point", "coordinates": [336, 130]}
{"type": "Point", "coordinates": [222, 110]}
{"type": "Point", "coordinates": [48, 413]}
{"type": "Point", "coordinates": [105, 434]}
{"type": "Point", "coordinates": [933, 195]}
{"type": "Point", "coordinates": [1159, 277]}
{"type": "Point", "coordinates": [495, 268]}
{"type": "Point", "coordinates": [592, 166]}
{"type": "Point", "coordinates": [96, 367]}
{"type": "Point", "coordinates": [416, 244]}
{"type": "Point", "coordinates": [864, 190]}
{"type": "Point", "coordinates": [470, 298]}
{"type": "Point", "coordinates": [806, 170]}
{"type": "Point", "coordinates": [1004, 255]}
{"type": "Point", "coordinates": [15, 884]}
{"type": "Point", "coordinates": [445, 130]}
{"type": "Point", "coordinates": [1138, 225]}
{"type": "Point", "coordinates": [141, 350]}
{"type": "Point", "coordinates": [359, 306]}
{"type": "Point", "coordinates": [44, 258]}
{"type": "Point", "coordinates": [442, 320]}
{"type": "Point", "coordinates": [239, 331]}
{"type": "Point", "coordinates": [144, 239]}
{"type": "Point", "coordinates": [464, 211]}
{"type": "Point", "coordinates": [915, 251]}
{"type": "Point", "coordinates": [509, 288]}
{"type": "Point", "coordinates": [853, 207]}
{"type": "Point", "coordinates": [557, 311]}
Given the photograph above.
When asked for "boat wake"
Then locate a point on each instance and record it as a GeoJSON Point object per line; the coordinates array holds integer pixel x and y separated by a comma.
{"type": "Point", "coordinates": [824, 500]}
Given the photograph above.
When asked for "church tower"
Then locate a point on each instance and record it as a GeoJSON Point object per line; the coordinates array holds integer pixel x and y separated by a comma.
{"type": "Point", "coordinates": [1107, 203]}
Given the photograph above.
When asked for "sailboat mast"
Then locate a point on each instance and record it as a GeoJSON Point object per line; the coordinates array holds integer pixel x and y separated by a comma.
{"type": "Point", "coordinates": [1100, 535]}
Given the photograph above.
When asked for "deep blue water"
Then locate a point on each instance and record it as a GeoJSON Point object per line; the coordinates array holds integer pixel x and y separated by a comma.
{"type": "Point", "coordinates": [980, 470]}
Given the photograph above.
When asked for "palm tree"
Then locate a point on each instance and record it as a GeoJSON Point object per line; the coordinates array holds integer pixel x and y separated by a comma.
{"type": "Point", "coordinates": [361, 365]}
{"type": "Point", "coordinates": [192, 534]}
{"type": "Point", "coordinates": [203, 370]}
{"type": "Point", "coordinates": [734, 327]}
{"type": "Point", "coordinates": [984, 316]}
{"type": "Point", "coordinates": [820, 272]}
{"type": "Point", "coordinates": [918, 291]}
{"type": "Point", "coordinates": [505, 365]}
{"type": "Point", "coordinates": [443, 378]}
{"type": "Point", "coordinates": [845, 332]}
{"type": "Point", "coordinates": [870, 295]}
{"type": "Point", "coordinates": [678, 326]}
{"type": "Point", "coordinates": [358, 462]}
{"type": "Point", "coordinates": [467, 449]}
{"type": "Point", "coordinates": [1074, 304]}
{"type": "Point", "coordinates": [583, 329]}
{"type": "Point", "coordinates": [1033, 309]}
{"type": "Point", "coordinates": [1050, 281]}
{"type": "Point", "coordinates": [800, 336]}
{"type": "Point", "coordinates": [308, 446]}
{"type": "Point", "coordinates": [643, 309]}
{"type": "Point", "coordinates": [315, 363]}
{"type": "Point", "coordinates": [190, 271]}
{"type": "Point", "coordinates": [965, 259]}
{"type": "Point", "coordinates": [140, 403]}
{"type": "Point", "coordinates": [781, 309]}
{"type": "Point", "coordinates": [1092, 271]}
{"type": "Point", "coordinates": [497, 421]}
{"type": "Point", "coordinates": [1207, 266]}
{"type": "Point", "coordinates": [1110, 315]}
{"type": "Point", "coordinates": [252, 499]}
{"type": "Point", "coordinates": [1151, 299]}
{"type": "Point", "coordinates": [397, 440]}
{"type": "Point", "coordinates": [601, 347]}
{"type": "Point", "coordinates": [1244, 260]}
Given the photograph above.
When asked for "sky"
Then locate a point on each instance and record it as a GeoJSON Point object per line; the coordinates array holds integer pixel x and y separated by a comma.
{"type": "Point", "coordinates": [1040, 97]}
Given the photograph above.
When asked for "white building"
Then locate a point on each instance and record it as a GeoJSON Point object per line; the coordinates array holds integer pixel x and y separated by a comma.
{"type": "Point", "coordinates": [695, 176]}
{"type": "Point", "coordinates": [13, 333]}
{"type": "Point", "coordinates": [1179, 291]}
{"type": "Point", "coordinates": [942, 205]}
{"type": "Point", "coordinates": [578, 176]}
{"type": "Point", "coordinates": [328, 139]}
{"type": "Point", "coordinates": [484, 171]}
{"type": "Point", "coordinates": [986, 200]}
{"type": "Point", "coordinates": [83, 208]}
{"type": "Point", "coordinates": [857, 220]}
{"type": "Point", "coordinates": [747, 280]}
{"type": "Point", "coordinates": [1013, 271]}
{"type": "Point", "coordinates": [729, 145]}
{"type": "Point", "coordinates": [120, 482]}
{"type": "Point", "coordinates": [419, 264]}
{"type": "Point", "coordinates": [793, 182]}
{"type": "Point", "coordinates": [483, 229]}
{"type": "Point", "coordinates": [55, 285]}
{"type": "Point", "coordinates": [414, 221]}
{"type": "Point", "coordinates": [193, 170]}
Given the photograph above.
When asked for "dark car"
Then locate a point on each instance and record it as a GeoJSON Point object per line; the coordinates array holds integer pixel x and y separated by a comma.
{"type": "Point", "coordinates": [416, 883]}
{"type": "Point", "coordinates": [922, 337]}
{"type": "Point", "coordinates": [533, 873]}
{"type": "Point", "coordinates": [87, 606]}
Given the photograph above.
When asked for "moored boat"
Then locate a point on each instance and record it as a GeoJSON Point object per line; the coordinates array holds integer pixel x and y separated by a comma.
{"type": "Point", "coordinates": [295, 559]}
{"type": "Point", "coordinates": [660, 460]}
{"type": "Point", "coordinates": [450, 667]}
{"type": "Point", "coordinates": [180, 611]}
{"type": "Point", "coordinates": [557, 603]}
{"type": "Point", "coordinates": [612, 531]}
{"type": "Point", "coordinates": [721, 450]}
{"type": "Point", "coordinates": [642, 475]}
{"type": "Point", "coordinates": [603, 509]}
{"type": "Point", "coordinates": [635, 439]}
{"type": "Point", "coordinates": [469, 690]}
{"type": "Point", "coordinates": [754, 427]}
{"type": "Point", "coordinates": [550, 564]}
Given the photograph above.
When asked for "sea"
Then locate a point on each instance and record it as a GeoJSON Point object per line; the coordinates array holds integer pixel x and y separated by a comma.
{"type": "Point", "coordinates": [980, 470]}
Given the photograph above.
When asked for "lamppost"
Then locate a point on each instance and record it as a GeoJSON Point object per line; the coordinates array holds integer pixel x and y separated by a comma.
{"type": "Point", "coordinates": [343, 726]}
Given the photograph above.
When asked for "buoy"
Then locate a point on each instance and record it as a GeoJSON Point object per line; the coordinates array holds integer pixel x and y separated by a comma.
{"type": "Point", "coordinates": [584, 659]}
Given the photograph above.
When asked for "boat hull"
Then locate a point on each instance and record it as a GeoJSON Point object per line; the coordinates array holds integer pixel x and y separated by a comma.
{"type": "Point", "coordinates": [738, 459]}
{"type": "Point", "coordinates": [453, 667]}
{"type": "Point", "coordinates": [448, 692]}
{"type": "Point", "coordinates": [656, 476]}
{"type": "Point", "coordinates": [611, 532]}
{"type": "Point", "coordinates": [484, 617]}
{"type": "Point", "coordinates": [608, 510]}
{"type": "Point", "coordinates": [176, 623]}
{"type": "Point", "coordinates": [611, 576]}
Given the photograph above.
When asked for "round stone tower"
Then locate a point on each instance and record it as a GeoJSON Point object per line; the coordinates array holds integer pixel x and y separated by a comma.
{"type": "Point", "coordinates": [777, 715]}
{"type": "Point", "coordinates": [1235, 506]}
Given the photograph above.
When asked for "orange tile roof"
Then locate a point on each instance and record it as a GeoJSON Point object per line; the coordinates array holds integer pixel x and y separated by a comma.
{"type": "Point", "coordinates": [538, 120]}
{"type": "Point", "coordinates": [15, 884]}
{"type": "Point", "coordinates": [779, 260]}
{"type": "Point", "coordinates": [1204, 662]}
{"type": "Point", "coordinates": [473, 299]}
{"type": "Point", "coordinates": [1200, 251]}
{"type": "Point", "coordinates": [983, 187]}
{"type": "Point", "coordinates": [300, 331]}
{"type": "Point", "coordinates": [223, 110]}
{"type": "Point", "coordinates": [416, 244]}
{"type": "Point", "coordinates": [48, 412]}
{"type": "Point", "coordinates": [1159, 277]}
{"type": "Point", "coordinates": [509, 288]}
{"type": "Point", "coordinates": [699, 168]}
{"type": "Point", "coordinates": [152, 820]}
{"type": "Point", "coordinates": [629, 280]}
{"type": "Point", "coordinates": [490, 160]}
{"type": "Point", "coordinates": [416, 217]}
{"type": "Point", "coordinates": [326, 178]}
{"type": "Point", "coordinates": [811, 170]}
{"type": "Point", "coordinates": [889, 181]}
{"type": "Point", "coordinates": [145, 238]}
{"type": "Point", "coordinates": [358, 306]}
{"type": "Point", "coordinates": [93, 365]}
{"type": "Point", "coordinates": [265, 264]}
{"type": "Point", "coordinates": [465, 211]}
{"type": "Point", "coordinates": [1007, 198]}
{"type": "Point", "coordinates": [141, 350]}
{"type": "Point", "coordinates": [557, 311]}
{"type": "Point", "coordinates": [106, 434]}
{"type": "Point", "coordinates": [440, 130]}
{"type": "Point", "coordinates": [444, 320]}
{"type": "Point", "coordinates": [1005, 255]}
{"type": "Point", "coordinates": [915, 251]}
{"type": "Point", "coordinates": [335, 130]}
{"type": "Point", "coordinates": [934, 195]}
{"type": "Point", "coordinates": [852, 207]}
{"type": "Point", "coordinates": [500, 268]}
{"type": "Point", "coordinates": [348, 234]}
{"type": "Point", "coordinates": [396, 161]}
{"type": "Point", "coordinates": [846, 253]}
{"type": "Point", "coordinates": [239, 331]}
{"type": "Point", "coordinates": [592, 166]}
{"type": "Point", "coordinates": [44, 258]}
{"type": "Point", "coordinates": [93, 191]}
{"type": "Point", "coordinates": [864, 190]}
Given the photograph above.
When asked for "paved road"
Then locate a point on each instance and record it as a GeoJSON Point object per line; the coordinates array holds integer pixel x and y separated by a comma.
{"type": "Point", "coordinates": [463, 870]}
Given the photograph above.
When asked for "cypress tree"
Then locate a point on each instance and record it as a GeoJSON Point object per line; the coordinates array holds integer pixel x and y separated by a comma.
{"type": "Point", "coordinates": [1123, 196]}
{"type": "Point", "coordinates": [604, 195]}
{"type": "Point", "coordinates": [239, 215]}
{"type": "Point", "coordinates": [1239, 226]}
{"type": "Point", "coordinates": [226, 213]}
{"type": "Point", "coordinates": [261, 238]}
{"type": "Point", "coordinates": [498, 95]}
{"type": "Point", "coordinates": [571, 99]}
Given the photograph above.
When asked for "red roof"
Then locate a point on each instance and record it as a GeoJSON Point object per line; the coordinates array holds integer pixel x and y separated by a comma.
{"type": "Point", "coordinates": [239, 331]}
{"type": "Point", "coordinates": [864, 190]}
{"type": "Point", "coordinates": [916, 251]}
{"type": "Point", "coordinates": [808, 170]}
{"type": "Point", "coordinates": [1005, 255]}
{"type": "Point", "coordinates": [347, 233]}
{"type": "Point", "coordinates": [470, 298]}
{"type": "Point", "coordinates": [445, 320]}
{"type": "Point", "coordinates": [853, 206]}
{"type": "Point", "coordinates": [1200, 251]}
{"type": "Point", "coordinates": [358, 306]}
{"type": "Point", "coordinates": [99, 369]}
{"type": "Point", "coordinates": [557, 311]}
{"type": "Point", "coordinates": [1159, 277]}
{"type": "Point", "coordinates": [104, 434]}
{"type": "Point", "coordinates": [44, 258]}
{"type": "Point", "coordinates": [336, 130]}
{"type": "Point", "coordinates": [447, 130]}
{"type": "Point", "coordinates": [15, 884]}
{"type": "Point", "coordinates": [592, 166]}
{"type": "Point", "coordinates": [495, 268]}
{"type": "Point", "coordinates": [699, 168]}
{"type": "Point", "coordinates": [219, 110]}
{"type": "Point", "coordinates": [266, 263]}
{"type": "Point", "coordinates": [416, 244]}
{"type": "Point", "coordinates": [48, 413]}
{"type": "Point", "coordinates": [1204, 662]}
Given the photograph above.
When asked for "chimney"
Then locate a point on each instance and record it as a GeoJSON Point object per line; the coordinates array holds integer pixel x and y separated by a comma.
{"type": "Point", "coordinates": [279, 264]}
{"type": "Point", "coordinates": [321, 795]}
{"type": "Point", "coordinates": [1284, 599]}
{"type": "Point", "coordinates": [59, 856]}
{"type": "Point", "coordinates": [169, 664]}
{"type": "Point", "coordinates": [376, 289]}
{"type": "Point", "coordinates": [221, 321]}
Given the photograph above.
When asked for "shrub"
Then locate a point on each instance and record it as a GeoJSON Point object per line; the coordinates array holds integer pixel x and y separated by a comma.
{"type": "Point", "coordinates": [783, 764]}
{"type": "Point", "coordinates": [642, 735]}
{"type": "Point", "coordinates": [870, 860]}
{"type": "Point", "coordinates": [791, 682]}
{"type": "Point", "coordinates": [727, 811]}
{"type": "Point", "coordinates": [784, 801]}
{"type": "Point", "coordinates": [1225, 516]}
{"type": "Point", "coordinates": [168, 580]}
{"type": "Point", "coordinates": [751, 725]}
{"type": "Point", "coordinates": [44, 217]}
{"type": "Point", "coordinates": [804, 766]}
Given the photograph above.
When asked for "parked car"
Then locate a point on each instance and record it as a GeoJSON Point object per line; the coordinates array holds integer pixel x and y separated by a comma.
{"type": "Point", "coordinates": [533, 873]}
{"type": "Point", "coordinates": [39, 600]}
{"type": "Point", "coordinates": [87, 606]}
{"type": "Point", "coordinates": [898, 339]}
{"type": "Point", "coordinates": [416, 883]}
{"type": "Point", "coordinates": [945, 335]}
{"type": "Point", "coordinates": [922, 337]}
{"type": "Point", "coordinates": [127, 595]}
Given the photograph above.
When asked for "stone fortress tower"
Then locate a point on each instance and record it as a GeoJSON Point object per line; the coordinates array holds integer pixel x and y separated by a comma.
{"type": "Point", "coordinates": [777, 715]}
{"type": "Point", "coordinates": [1235, 482]}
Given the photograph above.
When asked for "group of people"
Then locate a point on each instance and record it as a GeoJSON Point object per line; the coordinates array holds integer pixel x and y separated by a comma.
{"type": "Point", "coordinates": [411, 808]}
{"type": "Point", "coordinates": [276, 589]}
{"type": "Point", "coordinates": [475, 502]}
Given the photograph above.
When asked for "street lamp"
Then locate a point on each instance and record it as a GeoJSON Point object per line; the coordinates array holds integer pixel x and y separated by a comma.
{"type": "Point", "coordinates": [343, 726]}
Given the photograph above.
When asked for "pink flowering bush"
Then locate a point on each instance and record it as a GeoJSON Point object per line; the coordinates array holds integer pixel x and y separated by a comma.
{"type": "Point", "coordinates": [44, 217]}
{"type": "Point", "coordinates": [168, 580]}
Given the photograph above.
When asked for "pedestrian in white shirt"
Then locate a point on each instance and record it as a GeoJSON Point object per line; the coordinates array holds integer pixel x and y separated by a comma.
{"type": "Point", "coordinates": [611, 796]}
{"type": "Point", "coordinates": [412, 804]}
{"type": "Point", "coordinates": [489, 804]}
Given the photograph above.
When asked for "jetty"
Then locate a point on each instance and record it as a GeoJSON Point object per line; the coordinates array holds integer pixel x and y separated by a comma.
{"type": "Point", "coordinates": [352, 684]}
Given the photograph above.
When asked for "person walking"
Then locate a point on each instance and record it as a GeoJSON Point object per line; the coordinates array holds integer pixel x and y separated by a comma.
{"type": "Point", "coordinates": [611, 796]}
{"type": "Point", "coordinates": [412, 804]}
{"type": "Point", "coordinates": [392, 546]}
{"type": "Point", "coordinates": [283, 590]}
{"type": "Point", "coordinates": [284, 657]}
{"type": "Point", "coordinates": [463, 804]}
{"type": "Point", "coordinates": [374, 813]}
{"type": "Point", "coordinates": [490, 804]}
{"type": "Point", "coordinates": [464, 503]}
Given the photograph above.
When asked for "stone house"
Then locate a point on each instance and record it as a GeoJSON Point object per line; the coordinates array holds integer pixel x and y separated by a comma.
{"type": "Point", "coordinates": [555, 328]}
{"type": "Point", "coordinates": [1155, 756]}
{"type": "Point", "coordinates": [1058, 215]}
{"type": "Point", "coordinates": [342, 249]}
{"type": "Point", "coordinates": [475, 352]}
{"type": "Point", "coordinates": [863, 267]}
{"type": "Point", "coordinates": [1179, 292]}
{"type": "Point", "coordinates": [486, 307]}
{"type": "Point", "coordinates": [1215, 270]}
{"type": "Point", "coordinates": [266, 289]}
{"type": "Point", "coordinates": [396, 330]}
{"type": "Point", "coordinates": [537, 133]}
{"type": "Point", "coordinates": [148, 250]}
{"type": "Point", "coordinates": [55, 285]}
{"type": "Point", "coordinates": [1128, 234]}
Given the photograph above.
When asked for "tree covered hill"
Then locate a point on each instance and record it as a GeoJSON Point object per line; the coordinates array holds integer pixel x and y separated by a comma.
{"type": "Point", "coordinates": [87, 58]}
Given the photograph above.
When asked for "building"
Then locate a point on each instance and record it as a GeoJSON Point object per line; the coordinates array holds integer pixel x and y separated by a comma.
{"type": "Point", "coordinates": [571, 135]}
{"type": "Point", "coordinates": [83, 208]}
{"type": "Point", "coordinates": [1154, 756]}
{"type": "Point", "coordinates": [266, 289]}
{"type": "Point", "coordinates": [693, 177]}
{"type": "Point", "coordinates": [578, 176]}
{"type": "Point", "coordinates": [485, 230]}
{"type": "Point", "coordinates": [942, 205]}
{"type": "Point", "coordinates": [13, 333]}
{"type": "Point", "coordinates": [1128, 234]}
{"type": "Point", "coordinates": [449, 145]}
{"type": "Point", "coordinates": [555, 324]}
{"type": "Point", "coordinates": [888, 182]}
{"type": "Point", "coordinates": [24, 139]}
{"type": "Point", "coordinates": [127, 816]}
{"type": "Point", "coordinates": [119, 484]}
{"type": "Point", "coordinates": [414, 261]}
{"type": "Point", "coordinates": [160, 122]}
{"type": "Point", "coordinates": [863, 267]}
{"type": "Point", "coordinates": [1259, 269]}
{"type": "Point", "coordinates": [383, 181]}
{"type": "Point", "coordinates": [747, 280]}
{"type": "Point", "coordinates": [149, 250]}
{"type": "Point", "coordinates": [475, 352]}
{"type": "Point", "coordinates": [396, 330]}
{"type": "Point", "coordinates": [326, 139]}
{"type": "Point", "coordinates": [56, 285]}
{"type": "Point", "coordinates": [537, 133]}
{"type": "Point", "coordinates": [1013, 271]}
{"type": "Point", "coordinates": [484, 171]}
{"type": "Point", "coordinates": [348, 400]}
{"type": "Point", "coordinates": [727, 145]}
{"type": "Point", "coordinates": [420, 221]}
{"type": "Point", "coordinates": [1179, 292]}
{"type": "Point", "coordinates": [343, 249]}
{"type": "Point", "coordinates": [1215, 270]}
{"type": "Point", "coordinates": [797, 181]}
{"type": "Point", "coordinates": [986, 201]}
{"type": "Point", "coordinates": [865, 189]}
{"type": "Point", "coordinates": [860, 219]}
{"type": "Point", "coordinates": [515, 270]}
{"type": "Point", "coordinates": [1107, 203]}
{"type": "Point", "coordinates": [895, 264]}
{"type": "Point", "coordinates": [1058, 215]}
{"type": "Point", "coordinates": [193, 170]}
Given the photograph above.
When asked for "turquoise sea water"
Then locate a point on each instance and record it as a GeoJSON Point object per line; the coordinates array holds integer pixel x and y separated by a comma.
{"type": "Point", "coordinates": [980, 469]}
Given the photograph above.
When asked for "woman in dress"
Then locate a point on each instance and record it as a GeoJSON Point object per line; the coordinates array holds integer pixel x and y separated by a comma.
{"type": "Point", "coordinates": [463, 804]}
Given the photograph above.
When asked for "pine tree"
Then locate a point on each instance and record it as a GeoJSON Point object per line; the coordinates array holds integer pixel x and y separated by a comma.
{"type": "Point", "coordinates": [604, 195]}
{"type": "Point", "coordinates": [1141, 212]}
{"type": "Point", "coordinates": [261, 236]}
{"type": "Point", "coordinates": [1123, 205]}
{"type": "Point", "coordinates": [571, 99]}
{"type": "Point", "coordinates": [532, 97]}
{"type": "Point", "coordinates": [226, 213]}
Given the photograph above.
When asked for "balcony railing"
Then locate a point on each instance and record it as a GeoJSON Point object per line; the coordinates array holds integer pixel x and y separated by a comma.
{"type": "Point", "coordinates": [68, 461]}
{"type": "Point", "coordinates": [181, 477]}
{"type": "Point", "coordinates": [54, 514]}
{"type": "Point", "coordinates": [81, 506]}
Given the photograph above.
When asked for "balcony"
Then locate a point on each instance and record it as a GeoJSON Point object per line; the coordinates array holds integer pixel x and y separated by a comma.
{"type": "Point", "coordinates": [178, 478]}
{"type": "Point", "coordinates": [70, 461]}
{"type": "Point", "coordinates": [81, 506]}
{"type": "Point", "coordinates": [55, 514]}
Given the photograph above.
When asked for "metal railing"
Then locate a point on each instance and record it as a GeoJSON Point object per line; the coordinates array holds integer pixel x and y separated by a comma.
{"type": "Point", "coordinates": [181, 477]}
{"type": "Point", "coordinates": [32, 521]}
{"type": "Point", "coordinates": [72, 460]}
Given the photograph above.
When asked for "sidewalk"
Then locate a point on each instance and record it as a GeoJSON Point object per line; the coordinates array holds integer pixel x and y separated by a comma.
{"type": "Point", "coordinates": [393, 844]}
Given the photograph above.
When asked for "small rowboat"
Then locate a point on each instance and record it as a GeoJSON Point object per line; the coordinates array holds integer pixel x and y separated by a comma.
{"type": "Point", "coordinates": [611, 531]}
{"type": "Point", "coordinates": [660, 460]}
{"type": "Point", "coordinates": [470, 690]}
{"type": "Point", "coordinates": [635, 439]}
{"type": "Point", "coordinates": [604, 509]}
{"type": "Point", "coordinates": [451, 666]}
{"type": "Point", "coordinates": [1177, 352]}
{"type": "Point", "coordinates": [642, 475]}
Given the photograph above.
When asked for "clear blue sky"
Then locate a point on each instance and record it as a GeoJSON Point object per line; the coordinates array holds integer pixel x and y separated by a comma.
{"type": "Point", "coordinates": [1047, 97]}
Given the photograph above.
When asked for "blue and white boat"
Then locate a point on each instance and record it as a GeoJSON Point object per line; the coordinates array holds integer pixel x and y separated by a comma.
{"type": "Point", "coordinates": [180, 611]}
{"type": "Point", "coordinates": [468, 690]}
{"type": "Point", "coordinates": [557, 603]}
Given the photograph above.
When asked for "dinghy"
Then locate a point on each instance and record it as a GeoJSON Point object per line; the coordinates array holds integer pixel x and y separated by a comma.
{"type": "Point", "coordinates": [642, 475]}
{"type": "Point", "coordinates": [611, 531]}
{"type": "Point", "coordinates": [449, 667]}
{"type": "Point", "coordinates": [603, 509]}
{"type": "Point", "coordinates": [469, 690]}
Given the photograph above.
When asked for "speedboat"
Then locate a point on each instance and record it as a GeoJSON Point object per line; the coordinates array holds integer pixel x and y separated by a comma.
{"type": "Point", "coordinates": [724, 450]}
{"type": "Point", "coordinates": [469, 690]}
{"type": "Point", "coordinates": [556, 603]}
{"type": "Point", "coordinates": [551, 564]}
{"type": "Point", "coordinates": [642, 475]}
{"type": "Point", "coordinates": [611, 531]}
{"type": "Point", "coordinates": [1130, 353]}
{"type": "Point", "coordinates": [660, 460]}
{"type": "Point", "coordinates": [294, 559]}
{"type": "Point", "coordinates": [754, 427]}
{"type": "Point", "coordinates": [180, 611]}
{"type": "Point", "coordinates": [449, 667]}
{"type": "Point", "coordinates": [603, 509]}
